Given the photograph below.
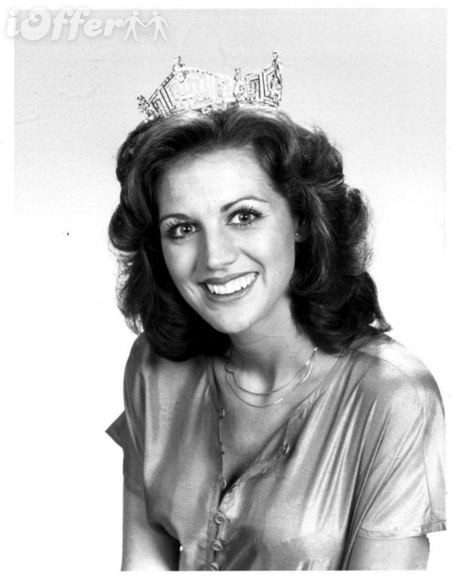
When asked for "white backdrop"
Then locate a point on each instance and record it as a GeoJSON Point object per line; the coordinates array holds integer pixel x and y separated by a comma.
{"type": "Point", "coordinates": [373, 79]}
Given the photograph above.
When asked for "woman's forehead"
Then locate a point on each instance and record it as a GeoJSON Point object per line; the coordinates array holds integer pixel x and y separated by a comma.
{"type": "Point", "coordinates": [215, 178]}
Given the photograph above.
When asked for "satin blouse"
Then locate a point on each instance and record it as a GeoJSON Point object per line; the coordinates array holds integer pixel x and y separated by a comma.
{"type": "Point", "coordinates": [361, 455]}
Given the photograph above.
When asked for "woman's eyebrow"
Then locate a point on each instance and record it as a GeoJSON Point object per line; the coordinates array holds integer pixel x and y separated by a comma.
{"type": "Point", "coordinates": [224, 208]}
{"type": "Point", "coordinates": [180, 216]}
{"type": "Point", "coordinates": [227, 206]}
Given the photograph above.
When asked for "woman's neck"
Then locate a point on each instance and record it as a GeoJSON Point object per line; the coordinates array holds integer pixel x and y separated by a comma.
{"type": "Point", "coordinates": [266, 358]}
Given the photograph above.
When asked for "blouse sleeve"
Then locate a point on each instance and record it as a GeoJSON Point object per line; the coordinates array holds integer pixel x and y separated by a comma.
{"type": "Point", "coordinates": [402, 491]}
{"type": "Point", "coordinates": [128, 429]}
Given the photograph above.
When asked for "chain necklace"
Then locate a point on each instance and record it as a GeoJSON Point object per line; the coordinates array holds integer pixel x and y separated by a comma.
{"type": "Point", "coordinates": [230, 371]}
{"type": "Point", "coordinates": [296, 380]}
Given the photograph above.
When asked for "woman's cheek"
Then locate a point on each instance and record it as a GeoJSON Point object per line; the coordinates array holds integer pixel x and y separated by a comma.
{"type": "Point", "coordinates": [180, 260]}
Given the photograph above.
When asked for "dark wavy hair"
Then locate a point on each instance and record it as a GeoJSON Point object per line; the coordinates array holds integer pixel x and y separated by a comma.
{"type": "Point", "coordinates": [334, 299]}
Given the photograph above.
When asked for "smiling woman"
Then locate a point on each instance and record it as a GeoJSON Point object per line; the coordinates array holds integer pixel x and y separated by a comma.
{"type": "Point", "coordinates": [228, 240]}
{"type": "Point", "coordinates": [270, 422]}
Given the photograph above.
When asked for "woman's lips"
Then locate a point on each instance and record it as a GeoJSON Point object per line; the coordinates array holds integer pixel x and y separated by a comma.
{"type": "Point", "coordinates": [229, 287]}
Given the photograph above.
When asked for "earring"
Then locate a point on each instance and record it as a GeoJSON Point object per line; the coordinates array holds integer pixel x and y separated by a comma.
{"type": "Point", "coordinates": [298, 237]}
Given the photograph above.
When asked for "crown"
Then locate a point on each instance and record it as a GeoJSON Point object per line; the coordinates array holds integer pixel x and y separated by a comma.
{"type": "Point", "coordinates": [192, 89]}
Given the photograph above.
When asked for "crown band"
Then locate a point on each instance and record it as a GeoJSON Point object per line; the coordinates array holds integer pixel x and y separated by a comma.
{"type": "Point", "coordinates": [192, 89]}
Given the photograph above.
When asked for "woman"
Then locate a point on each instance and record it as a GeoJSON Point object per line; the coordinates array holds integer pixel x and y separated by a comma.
{"type": "Point", "coordinates": [270, 423]}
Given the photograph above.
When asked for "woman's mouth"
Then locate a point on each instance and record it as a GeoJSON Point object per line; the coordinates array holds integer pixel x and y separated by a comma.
{"type": "Point", "coordinates": [234, 287]}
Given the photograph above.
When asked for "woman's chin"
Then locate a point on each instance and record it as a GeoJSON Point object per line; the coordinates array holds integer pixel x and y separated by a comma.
{"type": "Point", "coordinates": [230, 325]}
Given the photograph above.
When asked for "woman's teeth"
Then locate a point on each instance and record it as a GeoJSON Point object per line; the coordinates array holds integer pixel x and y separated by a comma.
{"type": "Point", "coordinates": [233, 286]}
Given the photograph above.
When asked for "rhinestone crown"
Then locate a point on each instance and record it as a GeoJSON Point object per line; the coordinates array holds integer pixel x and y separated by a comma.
{"type": "Point", "coordinates": [192, 89]}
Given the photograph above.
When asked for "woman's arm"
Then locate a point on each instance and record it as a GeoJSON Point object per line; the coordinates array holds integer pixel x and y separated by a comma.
{"type": "Point", "coordinates": [395, 554]}
{"type": "Point", "coordinates": [144, 548]}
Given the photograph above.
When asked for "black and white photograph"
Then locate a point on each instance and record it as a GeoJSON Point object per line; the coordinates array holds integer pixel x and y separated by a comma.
{"type": "Point", "coordinates": [228, 253]}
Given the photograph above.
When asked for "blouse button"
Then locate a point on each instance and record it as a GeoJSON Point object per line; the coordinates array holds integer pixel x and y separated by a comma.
{"type": "Point", "coordinates": [216, 546]}
{"type": "Point", "coordinates": [213, 566]}
{"type": "Point", "coordinates": [221, 413]}
{"type": "Point", "coordinates": [219, 518]}
{"type": "Point", "coordinates": [286, 448]}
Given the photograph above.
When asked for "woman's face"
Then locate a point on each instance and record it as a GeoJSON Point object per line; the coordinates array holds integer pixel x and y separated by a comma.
{"type": "Point", "coordinates": [228, 240]}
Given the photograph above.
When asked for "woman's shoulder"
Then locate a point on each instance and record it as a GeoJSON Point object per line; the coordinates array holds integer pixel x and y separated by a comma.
{"type": "Point", "coordinates": [389, 372]}
{"type": "Point", "coordinates": [144, 365]}
{"type": "Point", "coordinates": [143, 355]}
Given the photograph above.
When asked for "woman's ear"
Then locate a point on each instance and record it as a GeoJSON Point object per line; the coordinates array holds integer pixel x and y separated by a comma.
{"type": "Point", "coordinates": [299, 232]}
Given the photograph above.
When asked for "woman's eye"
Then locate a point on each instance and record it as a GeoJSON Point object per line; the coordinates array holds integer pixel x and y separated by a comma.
{"type": "Point", "coordinates": [179, 231]}
{"type": "Point", "coordinates": [245, 217]}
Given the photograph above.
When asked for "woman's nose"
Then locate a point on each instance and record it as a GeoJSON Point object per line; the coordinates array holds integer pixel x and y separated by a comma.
{"type": "Point", "coordinates": [219, 250]}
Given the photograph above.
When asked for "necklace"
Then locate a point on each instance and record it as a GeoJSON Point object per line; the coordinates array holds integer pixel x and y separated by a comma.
{"type": "Point", "coordinates": [299, 378]}
{"type": "Point", "coordinates": [305, 367]}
